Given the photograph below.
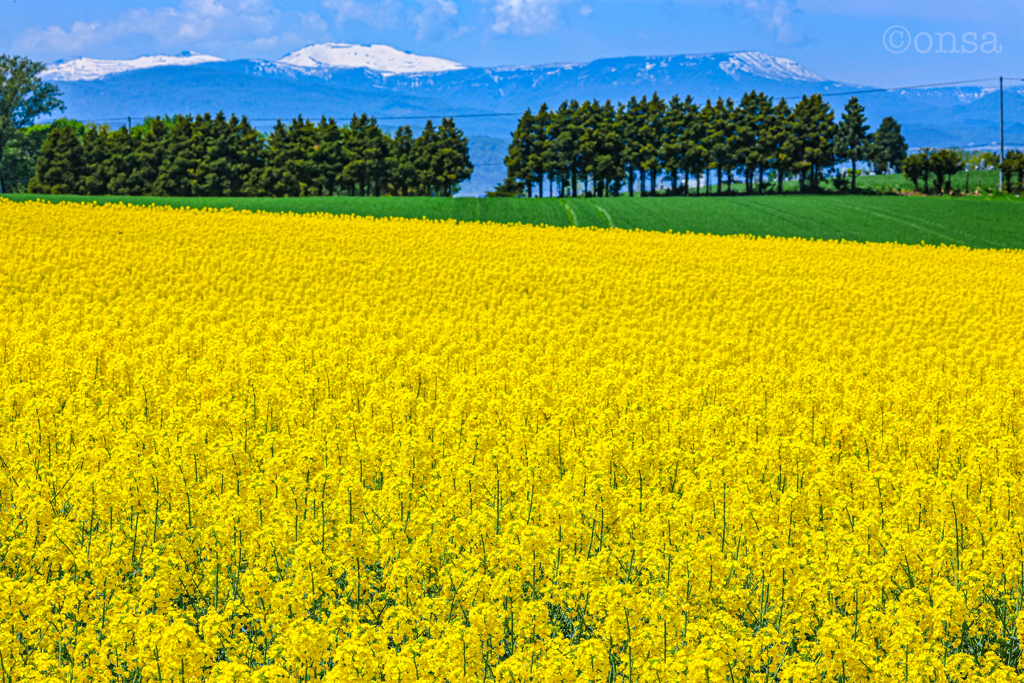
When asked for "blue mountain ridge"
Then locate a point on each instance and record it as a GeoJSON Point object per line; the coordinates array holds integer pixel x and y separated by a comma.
{"type": "Point", "coordinates": [266, 91]}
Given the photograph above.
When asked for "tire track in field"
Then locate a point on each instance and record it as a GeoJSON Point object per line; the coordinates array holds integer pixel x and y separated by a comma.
{"type": "Point", "coordinates": [916, 226]}
{"type": "Point", "coordinates": [569, 212]}
{"type": "Point", "coordinates": [607, 215]}
{"type": "Point", "coordinates": [908, 221]}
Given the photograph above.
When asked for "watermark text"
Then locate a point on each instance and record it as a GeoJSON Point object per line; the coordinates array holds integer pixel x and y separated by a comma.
{"type": "Point", "coordinates": [899, 39]}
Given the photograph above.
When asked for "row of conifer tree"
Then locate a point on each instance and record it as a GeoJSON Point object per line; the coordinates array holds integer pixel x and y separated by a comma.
{"type": "Point", "coordinates": [604, 149]}
{"type": "Point", "coordinates": [216, 156]}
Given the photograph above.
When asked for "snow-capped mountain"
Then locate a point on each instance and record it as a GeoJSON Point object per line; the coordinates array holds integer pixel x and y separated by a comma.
{"type": "Point", "coordinates": [381, 58]}
{"type": "Point", "coordinates": [768, 66]}
{"type": "Point", "coordinates": [87, 69]}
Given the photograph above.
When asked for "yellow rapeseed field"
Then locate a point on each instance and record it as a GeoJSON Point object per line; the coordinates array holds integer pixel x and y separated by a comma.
{"type": "Point", "coordinates": [264, 447]}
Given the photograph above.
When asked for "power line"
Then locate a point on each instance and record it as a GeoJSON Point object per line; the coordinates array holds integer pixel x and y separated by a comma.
{"type": "Point", "coordinates": [916, 87]}
{"type": "Point", "coordinates": [419, 117]}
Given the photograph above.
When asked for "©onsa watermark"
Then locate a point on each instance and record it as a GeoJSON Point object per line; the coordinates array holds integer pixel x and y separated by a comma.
{"type": "Point", "coordinates": [898, 39]}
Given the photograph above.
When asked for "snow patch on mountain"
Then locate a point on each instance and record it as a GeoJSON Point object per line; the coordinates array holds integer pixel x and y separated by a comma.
{"type": "Point", "coordinates": [88, 69]}
{"type": "Point", "coordinates": [767, 66]}
{"type": "Point", "coordinates": [382, 58]}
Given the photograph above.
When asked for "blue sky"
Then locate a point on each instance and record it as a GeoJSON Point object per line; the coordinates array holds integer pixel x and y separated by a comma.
{"type": "Point", "coordinates": [838, 39]}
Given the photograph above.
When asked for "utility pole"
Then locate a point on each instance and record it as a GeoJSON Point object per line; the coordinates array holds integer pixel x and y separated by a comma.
{"type": "Point", "coordinates": [1000, 133]}
{"type": "Point", "coordinates": [1000, 126]}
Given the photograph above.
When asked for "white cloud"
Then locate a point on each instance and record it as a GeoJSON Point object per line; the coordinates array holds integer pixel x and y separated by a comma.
{"type": "Point", "coordinates": [775, 15]}
{"type": "Point", "coordinates": [313, 21]}
{"type": "Point", "coordinates": [185, 24]}
{"type": "Point", "coordinates": [377, 15]}
{"type": "Point", "coordinates": [435, 17]}
{"type": "Point", "coordinates": [586, 11]}
{"type": "Point", "coordinates": [525, 17]}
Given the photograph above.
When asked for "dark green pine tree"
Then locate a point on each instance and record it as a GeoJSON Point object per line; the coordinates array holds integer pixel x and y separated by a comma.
{"type": "Point", "coordinates": [366, 151]}
{"type": "Point", "coordinates": [403, 176]}
{"type": "Point", "coordinates": [576, 164]}
{"type": "Point", "coordinates": [146, 157]}
{"type": "Point", "coordinates": [888, 146]}
{"type": "Point", "coordinates": [814, 130]}
{"type": "Point", "coordinates": [60, 165]}
{"type": "Point", "coordinates": [852, 142]}
{"type": "Point", "coordinates": [752, 119]}
{"type": "Point", "coordinates": [118, 164]}
{"type": "Point", "coordinates": [652, 133]}
{"type": "Point", "coordinates": [608, 165]}
{"type": "Point", "coordinates": [425, 151]}
{"type": "Point", "coordinates": [212, 137]}
{"type": "Point", "coordinates": [632, 118]}
{"type": "Point", "coordinates": [288, 169]}
{"type": "Point", "coordinates": [672, 151]}
{"type": "Point", "coordinates": [94, 152]}
{"type": "Point", "coordinates": [180, 160]}
{"type": "Point", "coordinates": [587, 123]}
{"type": "Point", "coordinates": [541, 157]}
{"type": "Point", "coordinates": [780, 143]}
{"type": "Point", "coordinates": [561, 147]}
{"type": "Point", "coordinates": [721, 133]}
{"type": "Point", "coordinates": [517, 160]}
{"type": "Point", "coordinates": [453, 162]}
{"type": "Point", "coordinates": [329, 158]}
{"type": "Point", "coordinates": [697, 156]}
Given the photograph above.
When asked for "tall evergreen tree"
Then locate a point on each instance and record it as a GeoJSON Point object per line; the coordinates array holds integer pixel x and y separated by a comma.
{"type": "Point", "coordinates": [541, 154]}
{"type": "Point", "coordinates": [60, 165]}
{"type": "Point", "coordinates": [721, 138]}
{"type": "Point", "coordinates": [633, 118]}
{"type": "Point", "coordinates": [452, 162]}
{"type": "Point", "coordinates": [697, 154]}
{"type": "Point", "coordinates": [177, 174]}
{"type": "Point", "coordinates": [852, 142]}
{"type": "Point", "coordinates": [888, 146]}
{"type": "Point", "coordinates": [562, 152]}
{"type": "Point", "coordinates": [672, 147]}
{"type": "Point", "coordinates": [753, 116]}
{"type": "Point", "coordinates": [118, 164]}
{"type": "Point", "coordinates": [329, 157]}
{"type": "Point", "coordinates": [146, 157]}
{"type": "Point", "coordinates": [780, 143]}
{"type": "Point", "coordinates": [403, 176]}
{"type": "Point", "coordinates": [652, 132]}
{"type": "Point", "coordinates": [425, 155]}
{"type": "Point", "coordinates": [367, 150]}
{"type": "Point", "coordinates": [520, 150]}
{"type": "Point", "coordinates": [814, 133]}
{"type": "Point", "coordinates": [608, 167]}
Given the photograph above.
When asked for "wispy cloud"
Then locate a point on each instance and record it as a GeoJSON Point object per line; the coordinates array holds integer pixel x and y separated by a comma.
{"type": "Point", "coordinates": [188, 22]}
{"type": "Point", "coordinates": [525, 17]}
{"type": "Point", "coordinates": [377, 15]}
{"type": "Point", "coordinates": [434, 18]}
{"type": "Point", "coordinates": [776, 16]}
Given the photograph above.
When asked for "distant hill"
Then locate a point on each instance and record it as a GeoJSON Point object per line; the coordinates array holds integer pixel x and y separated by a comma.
{"type": "Point", "coordinates": [338, 80]}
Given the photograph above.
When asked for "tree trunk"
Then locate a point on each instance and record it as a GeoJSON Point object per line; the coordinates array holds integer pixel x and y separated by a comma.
{"type": "Point", "coordinates": [853, 174]}
{"type": "Point", "coordinates": [778, 170]}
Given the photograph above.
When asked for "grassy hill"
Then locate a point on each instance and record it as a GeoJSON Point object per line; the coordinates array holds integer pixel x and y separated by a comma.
{"type": "Point", "coordinates": [980, 222]}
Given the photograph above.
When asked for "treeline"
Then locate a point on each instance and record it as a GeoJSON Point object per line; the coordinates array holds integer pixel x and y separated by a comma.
{"type": "Point", "coordinates": [604, 149]}
{"type": "Point", "coordinates": [216, 156]}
